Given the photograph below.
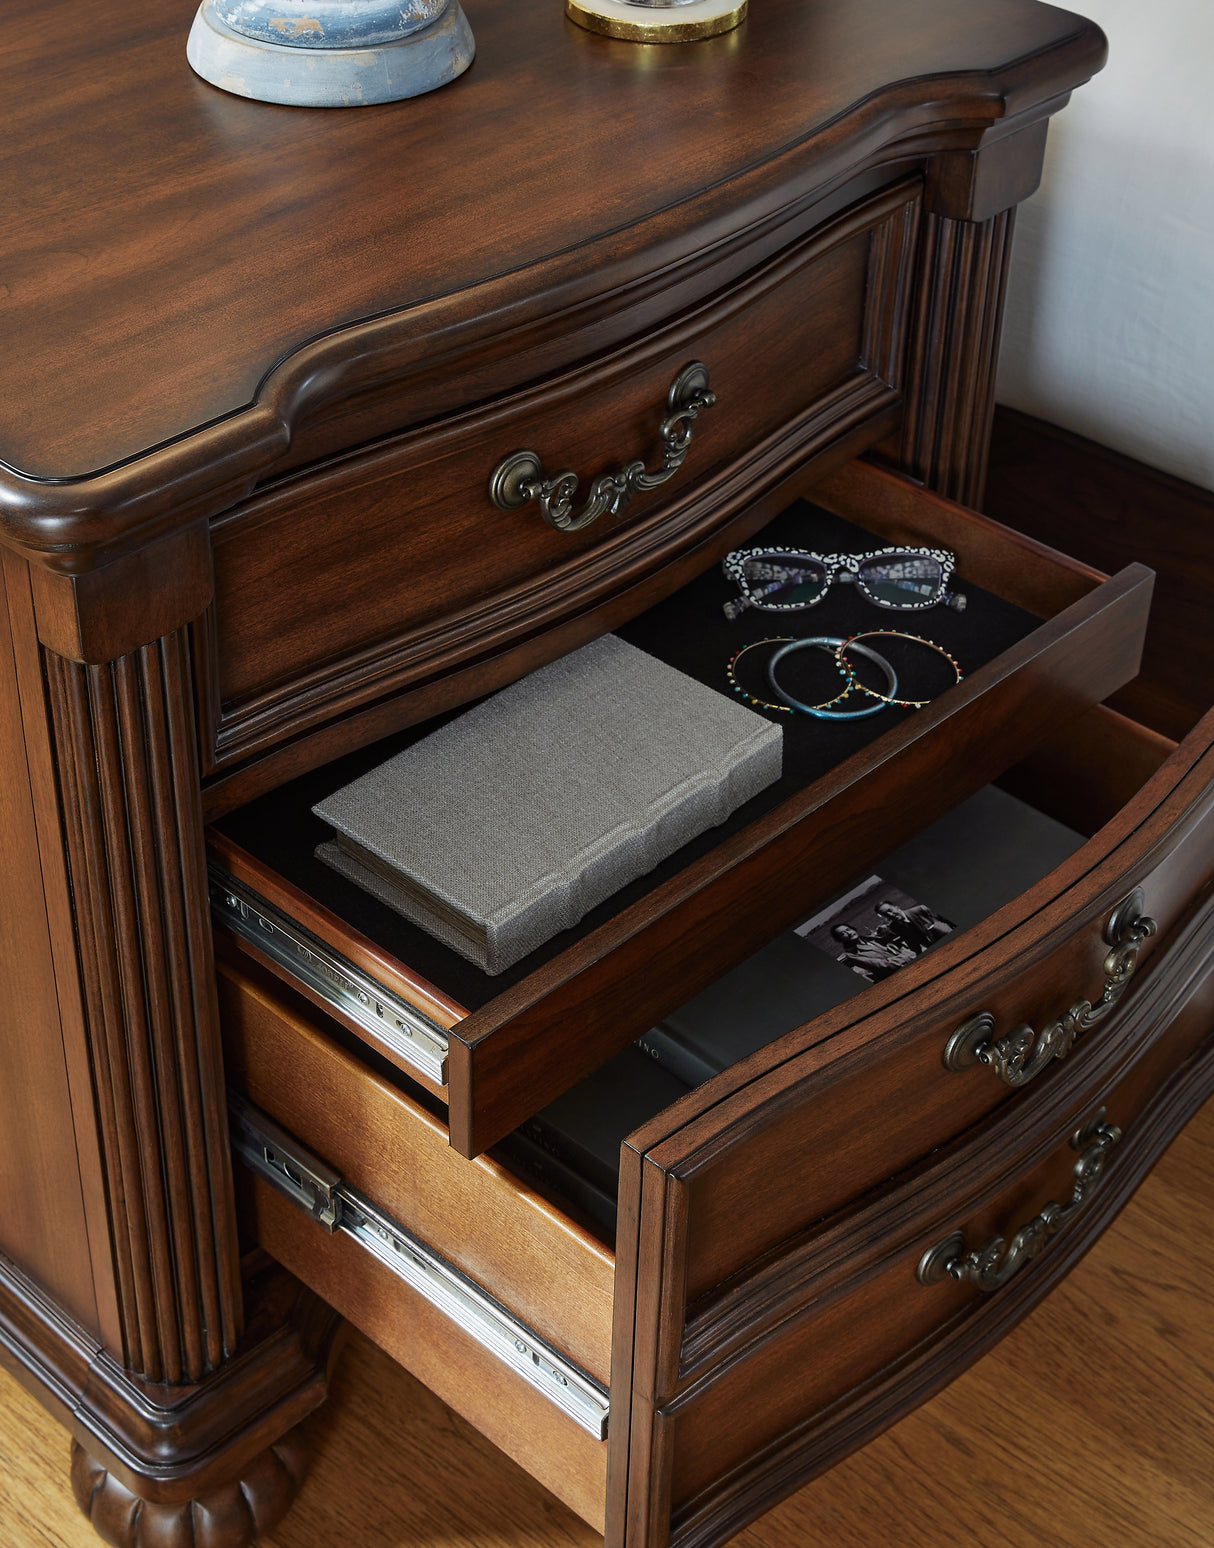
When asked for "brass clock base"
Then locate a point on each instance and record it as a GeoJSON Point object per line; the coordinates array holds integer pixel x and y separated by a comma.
{"type": "Point", "coordinates": [657, 24]}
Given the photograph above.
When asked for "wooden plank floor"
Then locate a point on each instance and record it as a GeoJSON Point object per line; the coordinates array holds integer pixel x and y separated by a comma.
{"type": "Point", "coordinates": [1090, 1425]}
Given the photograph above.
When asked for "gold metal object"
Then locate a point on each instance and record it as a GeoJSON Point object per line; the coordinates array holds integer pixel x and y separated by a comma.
{"type": "Point", "coordinates": [1023, 1053]}
{"type": "Point", "coordinates": [993, 1264]}
{"type": "Point", "coordinates": [614, 22]}
{"type": "Point", "coordinates": [519, 477]}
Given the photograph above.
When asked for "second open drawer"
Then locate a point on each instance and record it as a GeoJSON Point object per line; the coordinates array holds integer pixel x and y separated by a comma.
{"type": "Point", "coordinates": [511, 1048]}
{"type": "Point", "coordinates": [769, 1215]}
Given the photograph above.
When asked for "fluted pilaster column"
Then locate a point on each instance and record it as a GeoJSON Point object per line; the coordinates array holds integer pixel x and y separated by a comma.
{"type": "Point", "coordinates": [128, 763]}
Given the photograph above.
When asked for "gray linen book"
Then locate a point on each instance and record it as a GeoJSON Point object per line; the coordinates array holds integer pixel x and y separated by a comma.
{"type": "Point", "coordinates": [506, 825]}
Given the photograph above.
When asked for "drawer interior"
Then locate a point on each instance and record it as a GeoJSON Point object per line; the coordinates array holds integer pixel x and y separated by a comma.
{"type": "Point", "coordinates": [961, 869]}
{"type": "Point", "coordinates": [688, 631]}
{"type": "Point", "coordinates": [1040, 636]}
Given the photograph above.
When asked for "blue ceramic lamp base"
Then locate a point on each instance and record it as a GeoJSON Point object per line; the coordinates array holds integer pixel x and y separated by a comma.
{"type": "Point", "coordinates": [306, 73]}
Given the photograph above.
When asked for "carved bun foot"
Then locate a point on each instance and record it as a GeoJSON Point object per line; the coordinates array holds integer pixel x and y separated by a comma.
{"type": "Point", "coordinates": [230, 1516]}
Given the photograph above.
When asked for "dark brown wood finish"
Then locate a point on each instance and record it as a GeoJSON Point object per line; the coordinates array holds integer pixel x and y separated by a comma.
{"type": "Point", "coordinates": [1146, 1106]}
{"type": "Point", "coordinates": [471, 186]}
{"type": "Point", "coordinates": [203, 1465]}
{"type": "Point", "coordinates": [126, 759]}
{"type": "Point", "coordinates": [672, 563]}
{"type": "Point", "coordinates": [950, 392]}
{"type": "Point", "coordinates": [260, 365]}
{"type": "Point", "coordinates": [389, 609]}
{"type": "Point", "coordinates": [176, 1416]}
{"type": "Point", "coordinates": [38, 1158]}
{"type": "Point", "coordinates": [761, 1337]}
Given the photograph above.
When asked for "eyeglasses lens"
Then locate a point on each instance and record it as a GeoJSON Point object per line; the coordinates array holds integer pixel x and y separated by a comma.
{"type": "Point", "coordinates": [776, 581]}
{"type": "Point", "coordinates": [901, 582]}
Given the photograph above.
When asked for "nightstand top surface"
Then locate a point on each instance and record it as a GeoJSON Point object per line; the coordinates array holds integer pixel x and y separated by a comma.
{"type": "Point", "coordinates": [168, 246]}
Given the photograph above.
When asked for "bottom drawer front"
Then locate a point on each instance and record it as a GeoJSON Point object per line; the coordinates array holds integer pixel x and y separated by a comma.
{"type": "Point", "coordinates": [819, 1348]}
{"type": "Point", "coordinates": [858, 1309]}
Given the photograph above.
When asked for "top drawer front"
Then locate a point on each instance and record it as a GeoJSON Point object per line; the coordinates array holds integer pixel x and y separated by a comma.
{"type": "Point", "coordinates": [345, 585]}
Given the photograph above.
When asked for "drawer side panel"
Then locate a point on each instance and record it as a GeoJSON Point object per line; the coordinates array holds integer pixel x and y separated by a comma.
{"type": "Point", "coordinates": [498, 1232]}
{"type": "Point", "coordinates": [550, 1446]}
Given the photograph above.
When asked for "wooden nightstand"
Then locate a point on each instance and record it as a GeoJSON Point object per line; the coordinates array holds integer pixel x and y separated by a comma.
{"type": "Point", "coordinates": [263, 365]}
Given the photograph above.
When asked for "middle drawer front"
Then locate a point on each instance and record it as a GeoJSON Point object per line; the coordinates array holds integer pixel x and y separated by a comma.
{"type": "Point", "coordinates": [518, 1051]}
{"type": "Point", "coordinates": [1052, 995]}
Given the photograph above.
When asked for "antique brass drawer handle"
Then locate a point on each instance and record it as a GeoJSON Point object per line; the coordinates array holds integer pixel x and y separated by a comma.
{"type": "Point", "coordinates": [519, 478]}
{"type": "Point", "coordinates": [993, 1264]}
{"type": "Point", "coordinates": [1024, 1053]}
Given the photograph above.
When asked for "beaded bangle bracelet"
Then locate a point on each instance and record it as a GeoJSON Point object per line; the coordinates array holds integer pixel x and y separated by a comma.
{"type": "Point", "coordinates": [916, 639]}
{"type": "Point", "coordinates": [787, 709]}
{"type": "Point", "coordinates": [822, 711]}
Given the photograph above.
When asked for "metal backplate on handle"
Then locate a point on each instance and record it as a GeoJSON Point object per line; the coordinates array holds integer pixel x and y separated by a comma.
{"type": "Point", "coordinates": [519, 478]}
{"type": "Point", "coordinates": [993, 1264]}
{"type": "Point", "coordinates": [1024, 1053]}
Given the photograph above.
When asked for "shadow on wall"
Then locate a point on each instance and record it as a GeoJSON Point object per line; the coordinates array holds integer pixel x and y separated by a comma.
{"type": "Point", "coordinates": [1110, 315]}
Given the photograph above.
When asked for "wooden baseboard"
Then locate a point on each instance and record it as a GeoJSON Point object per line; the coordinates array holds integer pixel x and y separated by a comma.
{"type": "Point", "coordinates": [1107, 509]}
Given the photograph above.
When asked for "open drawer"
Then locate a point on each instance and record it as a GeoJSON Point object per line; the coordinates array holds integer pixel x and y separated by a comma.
{"type": "Point", "coordinates": [1046, 638]}
{"type": "Point", "coordinates": [779, 1288]}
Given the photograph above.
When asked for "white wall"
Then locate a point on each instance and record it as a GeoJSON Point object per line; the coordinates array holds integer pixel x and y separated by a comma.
{"type": "Point", "coordinates": [1110, 318]}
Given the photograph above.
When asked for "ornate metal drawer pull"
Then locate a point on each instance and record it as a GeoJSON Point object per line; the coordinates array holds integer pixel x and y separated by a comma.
{"type": "Point", "coordinates": [519, 477]}
{"type": "Point", "coordinates": [993, 1264]}
{"type": "Point", "coordinates": [1024, 1053]}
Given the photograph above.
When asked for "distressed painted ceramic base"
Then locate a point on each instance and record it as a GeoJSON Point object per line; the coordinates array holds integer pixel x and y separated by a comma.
{"type": "Point", "coordinates": [328, 23]}
{"type": "Point", "coordinates": [645, 23]}
{"type": "Point", "coordinates": [330, 77]}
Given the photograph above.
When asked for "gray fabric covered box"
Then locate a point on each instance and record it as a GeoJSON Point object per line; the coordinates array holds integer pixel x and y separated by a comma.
{"type": "Point", "coordinates": [509, 823]}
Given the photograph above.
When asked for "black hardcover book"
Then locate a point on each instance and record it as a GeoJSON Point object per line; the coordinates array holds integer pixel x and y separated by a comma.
{"type": "Point", "coordinates": [953, 875]}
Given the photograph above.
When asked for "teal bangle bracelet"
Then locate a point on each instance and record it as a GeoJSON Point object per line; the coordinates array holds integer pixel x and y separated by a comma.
{"type": "Point", "coordinates": [835, 644]}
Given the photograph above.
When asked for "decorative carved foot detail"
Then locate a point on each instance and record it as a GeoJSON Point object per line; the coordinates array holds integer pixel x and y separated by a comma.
{"type": "Point", "coordinates": [230, 1516]}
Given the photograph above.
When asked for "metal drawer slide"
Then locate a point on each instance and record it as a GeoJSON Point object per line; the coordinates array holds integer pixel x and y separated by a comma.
{"type": "Point", "coordinates": [419, 1041]}
{"type": "Point", "coordinates": [311, 1185]}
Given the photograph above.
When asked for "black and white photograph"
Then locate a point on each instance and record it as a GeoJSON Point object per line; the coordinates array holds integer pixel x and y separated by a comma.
{"type": "Point", "coordinates": [875, 929]}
